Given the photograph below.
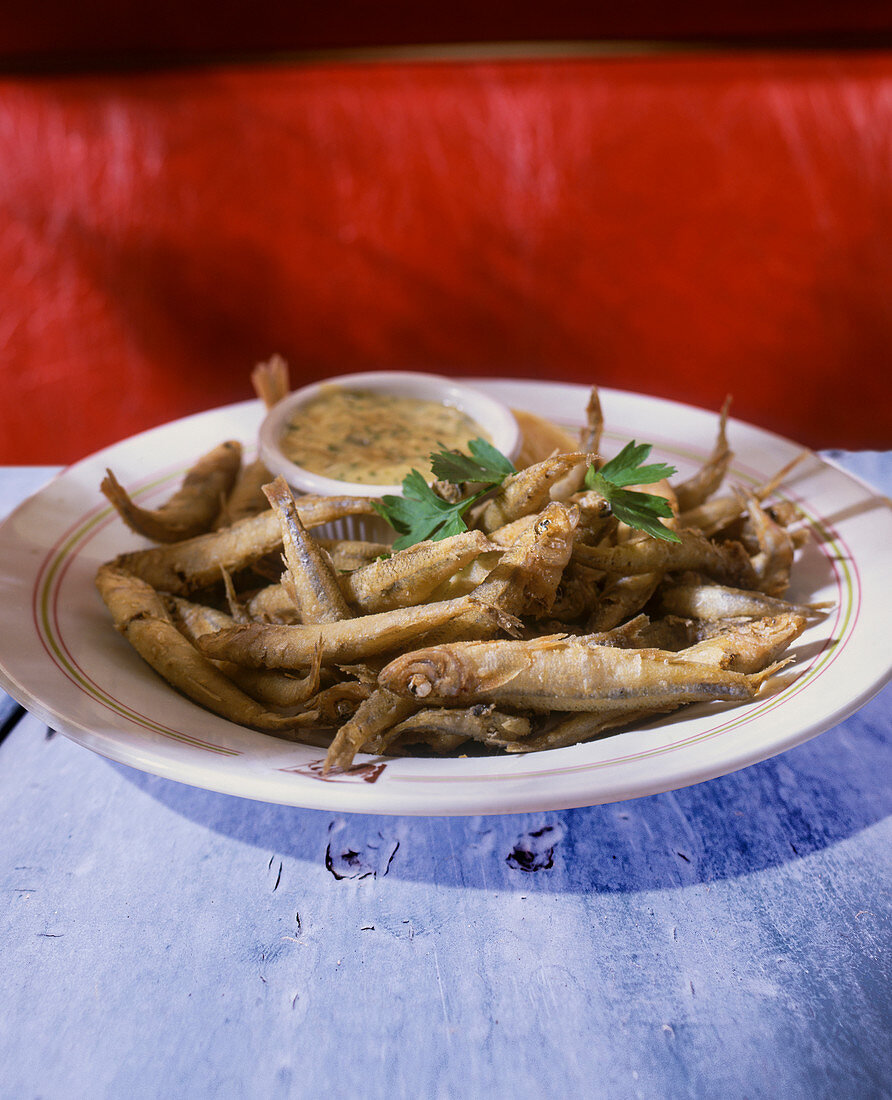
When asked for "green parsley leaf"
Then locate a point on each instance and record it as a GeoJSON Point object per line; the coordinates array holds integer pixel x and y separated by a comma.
{"type": "Point", "coordinates": [639, 510]}
{"type": "Point", "coordinates": [626, 468]}
{"type": "Point", "coordinates": [420, 514]}
{"type": "Point", "coordinates": [486, 464]}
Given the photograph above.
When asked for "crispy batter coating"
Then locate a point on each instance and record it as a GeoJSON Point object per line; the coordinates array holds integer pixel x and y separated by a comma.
{"type": "Point", "coordinates": [193, 507]}
{"type": "Point", "coordinates": [140, 615]}
{"type": "Point", "coordinates": [371, 651]}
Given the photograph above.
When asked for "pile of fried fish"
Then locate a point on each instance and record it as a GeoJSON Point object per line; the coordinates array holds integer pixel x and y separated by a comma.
{"type": "Point", "coordinates": [548, 622]}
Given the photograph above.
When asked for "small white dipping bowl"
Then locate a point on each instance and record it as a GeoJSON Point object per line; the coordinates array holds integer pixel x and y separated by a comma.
{"type": "Point", "coordinates": [496, 419]}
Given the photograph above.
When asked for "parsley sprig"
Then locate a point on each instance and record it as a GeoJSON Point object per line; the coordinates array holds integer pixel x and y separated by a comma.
{"type": "Point", "coordinates": [421, 514]}
{"type": "Point", "coordinates": [640, 510]}
{"type": "Point", "coordinates": [485, 464]}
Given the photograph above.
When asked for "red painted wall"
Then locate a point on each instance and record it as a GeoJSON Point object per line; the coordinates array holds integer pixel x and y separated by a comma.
{"type": "Point", "coordinates": [681, 225]}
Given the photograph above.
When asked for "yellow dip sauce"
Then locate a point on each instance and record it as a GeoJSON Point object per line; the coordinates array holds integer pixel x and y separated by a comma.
{"type": "Point", "coordinates": [371, 437]}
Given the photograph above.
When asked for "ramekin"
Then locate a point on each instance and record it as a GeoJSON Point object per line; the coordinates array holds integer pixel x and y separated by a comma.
{"type": "Point", "coordinates": [493, 416]}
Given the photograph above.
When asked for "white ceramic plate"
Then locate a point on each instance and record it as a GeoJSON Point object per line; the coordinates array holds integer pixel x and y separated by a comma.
{"type": "Point", "coordinates": [60, 657]}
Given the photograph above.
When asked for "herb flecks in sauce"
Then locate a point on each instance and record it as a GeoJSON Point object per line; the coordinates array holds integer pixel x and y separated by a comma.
{"type": "Point", "coordinates": [371, 437]}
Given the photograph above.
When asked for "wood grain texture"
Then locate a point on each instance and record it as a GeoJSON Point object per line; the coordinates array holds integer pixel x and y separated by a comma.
{"type": "Point", "coordinates": [730, 939]}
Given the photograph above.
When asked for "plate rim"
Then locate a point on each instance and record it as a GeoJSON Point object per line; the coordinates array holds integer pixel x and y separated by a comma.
{"type": "Point", "coordinates": [360, 797]}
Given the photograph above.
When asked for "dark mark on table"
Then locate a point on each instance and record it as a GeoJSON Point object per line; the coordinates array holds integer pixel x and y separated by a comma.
{"type": "Point", "coordinates": [359, 862]}
{"type": "Point", "coordinates": [12, 718]}
{"type": "Point", "coordinates": [534, 851]}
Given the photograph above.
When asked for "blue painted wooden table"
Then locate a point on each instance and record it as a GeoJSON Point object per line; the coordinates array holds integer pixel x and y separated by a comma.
{"type": "Point", "coordinates": [726, 940]}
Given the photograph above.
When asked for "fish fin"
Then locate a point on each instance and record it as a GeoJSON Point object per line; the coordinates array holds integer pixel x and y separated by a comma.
{"type": "Point", "coordinates": [506, 622]}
